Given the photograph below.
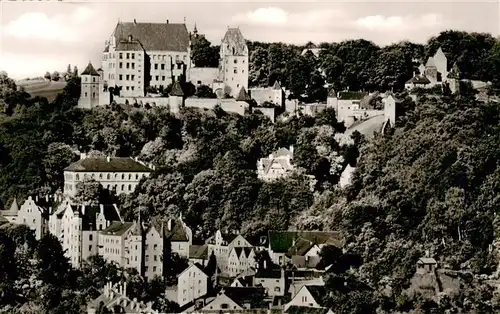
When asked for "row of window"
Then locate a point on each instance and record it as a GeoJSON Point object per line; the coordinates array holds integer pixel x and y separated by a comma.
{"type": "Point", "coordinates": [112, 251]}
{"type": "Point", "coordinates": [129, 65]}
{"type": "Point", "coordinates": [109, 176]}
{"type": "Point", "coordinates": [165, 57]}
{"type": "Point", "coordinates": [155, 258]}
{"type": "Point", "coordinates": [85, 79]}
{"type": "Point", "coordinates": [162, 66]}
{"type": "Point", "coordinates": [236, 61]}
{"type": "Point", "coordinates": [128, 55]}
{"type": "Point", "coordinates": [128, 77]}
{"type": "Point", "coordinates": [93, 95]}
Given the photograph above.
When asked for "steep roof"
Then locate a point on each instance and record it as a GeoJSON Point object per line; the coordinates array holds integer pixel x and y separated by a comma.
{"type": "Point", "coordinates": [420, 79]}
{"type": "Point", "coordinates": [282, 241]}
{"type": "Point", "coordinates": [306, 310]}
{"type": "Point", "coordinates": [301, 247]}
{"type": "Point", "coordinates": [118, 228]}
{"type": "Point", "coordinates": [349, 95]}
{"type": "Point", "coordinates": [430, 62]}
{"type": "Point", "coordinates": [276, 85]}
{"type": "Point", "coordinates": [332, 93]}
{"type": "Point", "coordinates": [89, 70]}
{"type": "Point", "coordinates": [89, 215]}
{"type": "Point", "coordinates": [246, 295]}
{"type": "Point", "coordinates": [198, 252]}
{"type": "Point", "coordinates": [14, 209]}
{"type": "Point", "coordinates": [177, 232]}
{"type": "Point", "coordinates": [240, 250]}
{"type": "Point", "coordinates": [197, 265]}
{"type": "Point", "coordinates": [282, 152]}
{"type": "Point", "coordinates": [318, 292]}
{"type": "Point", "coordinates": [100, 164]}
{"type": "Point", "coordinates": [234, 38]}
{"type": "Point", "coordinates": [126, 45]}
{"type": "Point", "coordinates": [155, 36]}
{"type": "Point", "coordinates": [176, 90]}
{"type": "Point", "coordinates": [242, 95]}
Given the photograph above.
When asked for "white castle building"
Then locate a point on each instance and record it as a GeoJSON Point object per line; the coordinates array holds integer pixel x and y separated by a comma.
{"type": "Point", "coordinates": [142, 55]}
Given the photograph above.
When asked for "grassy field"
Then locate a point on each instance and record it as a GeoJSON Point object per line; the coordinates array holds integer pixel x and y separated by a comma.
{"type": "Point", "coordinates": [47, 89]}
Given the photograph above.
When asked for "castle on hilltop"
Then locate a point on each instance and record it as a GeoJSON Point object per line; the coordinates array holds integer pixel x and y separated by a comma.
{"type": "Point", "coordinates": [142, 55]}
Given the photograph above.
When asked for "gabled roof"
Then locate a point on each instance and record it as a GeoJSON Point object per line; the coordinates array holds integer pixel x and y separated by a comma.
{"type": "Point", "coordinates": [242, 95]}
{"type": "Point", "coordinates": [14, 209]}
{"type": "Point", "coordinates": [419, 79]}
{"type": "Point", "coordinates": [177, 232]}
{"type": "Point", "coordinates": [349, 95]}
{"type": "Point", "coordinates": [198, 251]}
{"type": "Point", "coordinates": [155, 36]}
{"type": "Point", "coordinates": [89, 70]}
{"type": "Point", "coordinates": [301, 247]}
{"type": "Point", "coordinates": [100, 164]}
{"type": "Point", "coordinates": [396, 99]}
{"type": "Point", "coordinates": [197, 265]}
{"type": "Point", "coordinates": [332, 93]}
{"type": "Point", "coordinates": [276, 85]}
{"type": "Point", "coordinates": [282, 152]}
{"type": "Point", "coordinates": [118, 228]}
{"type": "Point", "coordinates": [306, 310]}
{"type": "Point", "coordinates": [246, 295]}
{"type": "Point", "coordinates": [176, 90]}
{"type": "Point", "coordinates": [89, 214]}
{"type": "Point", "coordinates": [234, 38]}
{"type": "Point", "coordinates": [282, 241]}
{"type": "Point", "coordinates": [243, 250]}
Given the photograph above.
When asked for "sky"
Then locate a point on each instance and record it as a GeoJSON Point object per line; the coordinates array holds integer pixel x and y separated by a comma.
{"type": "Point", "coordinates": [36, 37]}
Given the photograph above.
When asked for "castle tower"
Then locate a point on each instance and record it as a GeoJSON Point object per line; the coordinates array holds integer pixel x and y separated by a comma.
{"type": "Point", "coordinates": [431, 71]}
{"type": "Point", "coordinates": [233, 65]}
{"type": "Point", "coordinates": [176, 97]}
{"type": "Point", "coordinates": [89, 97]}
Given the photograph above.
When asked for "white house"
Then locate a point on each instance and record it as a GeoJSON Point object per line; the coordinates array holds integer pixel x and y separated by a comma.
{"type": "Point", "coordinates": [277, 165]}
{"type": "Point", "coordinates": [192, 284]}
{"type": "Point", "coordinates": [308, 296]}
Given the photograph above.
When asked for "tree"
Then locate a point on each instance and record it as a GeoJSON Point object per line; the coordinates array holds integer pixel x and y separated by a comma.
{"type": "Point", "coordinates": [203, 54]}
{"type": "Point", "coordinates": [47, 76]}
{"type": "Point", "coordinates": [75, 71]}
{"type": "Point", "coordinates": [52, 265]}
{"type": "Point", "coordinates": [55, 76]}
{"type": "Point", "coordinates": [68, 70]}
{"type": "Point", "coordinates": [204, 91]}
{"type": "Point", "coordinates": [59, 156]}
{"type": "Point", "coordinates": [88, 192]}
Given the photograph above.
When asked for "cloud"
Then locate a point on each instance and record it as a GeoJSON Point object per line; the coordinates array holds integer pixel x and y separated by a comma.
{"type": "Point", "coordinates": [278, 17]}
{"type": "Point", "coordinates": [38, 25]}
{"type": "Point", "coordinates": [399, 23]}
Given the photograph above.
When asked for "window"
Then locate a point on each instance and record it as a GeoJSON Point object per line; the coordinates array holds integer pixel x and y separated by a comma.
{"type": "Point", "coordinates": [132, 87]}
{"type": "Point", "coordinates": [93, 95]}
{"type": "Point", "coordinates": [199, 82]}
{"type": "Point", "coordinates": [77, 177]}
{"type": "Point", "coordinates": [235, 61]}
{"type": "Point", "coordinates": [133, 65]}
{"type": "Point", "coordinates": [121, 55]}
{"type": "Point", "coordinates": [90, 247]}
{"type": "Point", "coordinates": [235, 70]}
{"type": "Point", "coordinates": [132, 77]}
{"type": "Point", "coordinates": [130, 187]}
{"type": "Point", "coordinates": [107, 176]}
{"type": "Point", "coordinates": [120, 77]}
{"type": "Point", "coordinates": [163, 78]}
{"type": "Point", "coordinates": [85, 94]}
{"type": "Point", "coordinates": [121, 65]}
{"type": "Point", "coordinates": [90, 237]}
{"type": "Point", "coordinates": [157, 77]}
{"type": "Point", "coordinates": [242, 71]}
{"type": "Point", "coordinates": [133, 57]}
{"type": "Point", "coordinates": [163, 66]}
{"type": "Point", "coordinates": [146, 258]}
{"type": "Point", "coordinates": [128, 65]}
{"type": "Point", "coordinates": [154, 268]}
{"type": "Point", "coordinates": [127, 77]}
{"type": "Point", "coordinates": [155, 246]}
{"type": "Point", "coordinates": [123, 187]}
{"type": "Point", "coordinates": [179, 66]}
{"type": "Point", "coordinates": [147, 268]}
{"type": "Point", "coordinates": [128, 55]}
{"type": "Point", "coordinates": [93, 79]}
{"type": "Point", "coordinates": [128, 88]}
{"type": "Point", "coordinates": [224, 306]}
{"type": "Point", "coordinates": [156, 66]}
{"type": "Point", "coordinates": [155, 258]}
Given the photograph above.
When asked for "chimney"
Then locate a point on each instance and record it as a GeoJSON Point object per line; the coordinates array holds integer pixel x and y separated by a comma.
{"type": "Point", "coordinates": [83, 210]}
{"type": "Point", "coordinates": [101, 206]}
{"type": "Point", "coordinates": [36, 199]}
{"type": "Point", "coordinates": [108, 158]}
{"type": "Point", "coordinates": [293, 241]}
{"type": "Point", "coordinates": [291, 149]}
{"type": "Point", "coordinates": [129, 37]}
{"type": "Point", "coordinates": [169, 225]}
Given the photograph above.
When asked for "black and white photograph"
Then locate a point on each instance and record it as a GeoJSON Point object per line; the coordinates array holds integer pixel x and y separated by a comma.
{"type": "Point", "coordinates": [249, 157]}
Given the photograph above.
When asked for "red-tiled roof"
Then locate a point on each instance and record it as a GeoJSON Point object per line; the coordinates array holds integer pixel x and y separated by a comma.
{"type": "Point", "coordinates": [155, 36]}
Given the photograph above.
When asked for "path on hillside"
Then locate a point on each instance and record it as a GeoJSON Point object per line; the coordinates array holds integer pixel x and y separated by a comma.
{"type": "Point", "coordinates": [367, 128]}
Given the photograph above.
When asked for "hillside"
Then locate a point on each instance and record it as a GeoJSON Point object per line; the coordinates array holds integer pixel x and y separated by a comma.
{"type": "Point", "coordinates": [47, 89]}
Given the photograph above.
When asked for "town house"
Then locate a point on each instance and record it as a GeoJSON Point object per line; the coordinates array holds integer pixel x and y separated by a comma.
{"type": "Point", "coordinates": [277, 165]}
{"type": "Point", "coordinates": [221, 245]}
{"type": "Point", "coordinates": [240, 259]}
{"type": "Point", "coordinates": [192, 284]}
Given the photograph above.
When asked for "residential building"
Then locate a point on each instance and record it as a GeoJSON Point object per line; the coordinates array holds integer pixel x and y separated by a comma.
{"type": "Point", "coordinates": [277, 165]}
{"type": "Point", "coordinates": [308, 296]}
{"type": "Point", "coordinates": [34, 213]}
{"type": "Point", "coordinates": [233, 65]}
{"type": "Point", "coordinates": [296, 285]}
{"type": "Point", "coordinates": [237, 298]}
{"type": "Point", "coordinates": [163, 240]}
{"type": "Point", "coordinates": [114, 173]}
{"type": "Point", "coordinates": [346, 104]}
{"type": "Point", "coordinates": [77, 228]}
{"type": "Point", "coordinates": [221, 244]}
{"type": "Point", "coordinates": [283, 245]}
{"type": "Point", "coordinates": [240, 259]}
{"type": "Point", "coordinates": [114, 298]}
{"type": "Point", "coordinates": [192, 284]}
{"type": "Point", "coordinates": [118, 242]}
{"type": "Point", "coordinates": [273, 280]}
